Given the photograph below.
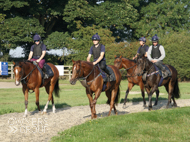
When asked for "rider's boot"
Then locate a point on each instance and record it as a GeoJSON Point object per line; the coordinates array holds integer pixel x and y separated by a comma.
{"type": "Point", "coordinates": [45, 75]}
{"type": "Point", "coordinates": [111, 74]}
{"type": "Point", "coordinates": [165, 73]}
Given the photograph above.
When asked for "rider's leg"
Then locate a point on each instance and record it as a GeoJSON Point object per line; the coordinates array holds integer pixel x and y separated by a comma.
{"type": "Point", "coordinates": [162, 68]}
{"type": "Point", "coordinates": [41, 65]}
{"type": "Point", "coordinates": [108, 70]}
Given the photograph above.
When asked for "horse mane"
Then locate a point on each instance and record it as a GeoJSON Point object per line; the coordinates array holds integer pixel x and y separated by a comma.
{"type": "Point", "coordinates": [20, 62]}
{"type": "Point", "coordinates": [127, 59]}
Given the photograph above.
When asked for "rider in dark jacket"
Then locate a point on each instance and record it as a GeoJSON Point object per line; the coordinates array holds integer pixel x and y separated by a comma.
{"type": "Point", "coordinates": [156, 54]}
{"type": "Point", "coordinates": [98, 52]}
{"type": "Point", "coordinates": [37, 53]}
{"type": "Point", "coordinates": [142, 49]}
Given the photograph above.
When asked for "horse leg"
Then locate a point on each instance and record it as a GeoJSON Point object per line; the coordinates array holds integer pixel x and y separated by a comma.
{"type": "Point", "coordinates": [52, 99]}
{"type": "Point", "coordinates": [157, 95]}
{"type": "Point", "coordinates": [89, 95]}
{"type": "Point", "coordinates": [170, 94]}
{"type": "Point", "coordinates": [97, 94]}
{"type": "Point", "coordinates": [130, 86]}
{"type": "Point", "coordinates": [112, 103]}
{"type": "Point", "coordinates": [150, 97]}
{"type": "Point", "coordinates": [142, 92]}
{"type": "Point", "coordinates": [25, 91]}
{"type": "Point", "coordinates": [37, 98]}
{"type": "Point", "coordinates": [51, 88]}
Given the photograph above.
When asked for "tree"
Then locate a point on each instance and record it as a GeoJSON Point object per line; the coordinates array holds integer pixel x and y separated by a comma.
{"type": "Point", "coordinates": [161, 16]}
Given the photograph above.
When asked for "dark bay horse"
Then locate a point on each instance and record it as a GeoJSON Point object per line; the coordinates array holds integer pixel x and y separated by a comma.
{"type": "Point", "coordinates": [133, 79]}
{"type": "Point", "coordinates": [91, 79]}
{"type": "Point", "coordinates": [152, 80]}
{"type": "Point", "coordinates": [28, 74]}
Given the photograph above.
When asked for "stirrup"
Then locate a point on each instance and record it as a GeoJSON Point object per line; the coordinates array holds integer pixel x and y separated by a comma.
{"type": "Point", "coordinates": [46, 76]}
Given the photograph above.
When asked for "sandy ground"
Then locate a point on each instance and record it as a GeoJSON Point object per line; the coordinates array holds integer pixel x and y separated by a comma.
{"type": "Point", "coordinates": [37, 127]}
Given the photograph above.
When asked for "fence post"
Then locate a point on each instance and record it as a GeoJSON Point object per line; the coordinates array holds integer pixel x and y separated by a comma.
{"type": "Point", "coordinates": [12, 71]}
{"type": "Point", "coordinates": [69, 73]}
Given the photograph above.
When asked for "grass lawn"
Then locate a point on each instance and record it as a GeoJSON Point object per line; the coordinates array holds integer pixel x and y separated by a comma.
{"type": "Point", "coordinates": [12, 100]}
{"type": "Point", "coordinates": [168, 125]}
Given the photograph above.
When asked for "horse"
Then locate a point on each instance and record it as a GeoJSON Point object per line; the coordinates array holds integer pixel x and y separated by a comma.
{"type": "Point", "coordinates": [153, 80]}
{"type": "Point", "coordinates": [27, 73]}
{"type": "Point", "coordinates": [90, 77]}
{"type": "Point", "coordinates": [133, 79]}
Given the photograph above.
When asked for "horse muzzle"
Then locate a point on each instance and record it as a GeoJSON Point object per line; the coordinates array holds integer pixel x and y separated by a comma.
{"type": "Point", "coordinates": [17, 83]}
{"type": "Point", "coordinates": [73, 81]}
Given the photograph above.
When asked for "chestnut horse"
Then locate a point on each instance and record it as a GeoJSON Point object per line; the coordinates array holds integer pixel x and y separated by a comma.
{"type": "Point", "coordinates": [91, 79]}
{"type": "Point", "coordinates": [28, 74]}
{"type": "Point", "coordinates": [133, 79]}
{"type": "Point", "coordinates": [152, 80]}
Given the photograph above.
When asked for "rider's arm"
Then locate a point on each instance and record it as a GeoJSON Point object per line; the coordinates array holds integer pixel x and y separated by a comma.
{"type": "Point", "coordinates": [162, 51]}
{"type": "Point", "coordinates": [30, 55]}
{"type": "Point", "coordinates": [149, 53]}
{"type": "Point", "coordinates": [100, 58]}
{"type": "Point", "coordinates": [88, 58]}
{"type": "Point", "coordinates": [145, 54]}
{"type": "Point", "coordinates": [42, 56]}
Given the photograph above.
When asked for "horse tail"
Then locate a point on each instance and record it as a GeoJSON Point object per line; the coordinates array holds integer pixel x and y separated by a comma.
{"type": "Point", "coordinates": [56, 88]}
{"type": "Point", "coordinates": [117, 96]}
{"type": "Point", "coordinates": [176, 91]}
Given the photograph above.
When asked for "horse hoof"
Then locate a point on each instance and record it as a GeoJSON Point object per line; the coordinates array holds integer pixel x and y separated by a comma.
{"type": "Point", "coordinates": [149, 109]}
{"type": "Point", "coordinates": [43, 113]}
{"type": "Point", "coordinates": [25, 115]}
{"type": "Point", "coordinates": [124, 106]}
{"type": "Point", "coordinates": [155, 104]}
{"type": "Point", "coordinates": [144, 105]}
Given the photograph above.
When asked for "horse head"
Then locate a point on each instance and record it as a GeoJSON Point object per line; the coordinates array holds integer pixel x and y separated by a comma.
{"type": "Point", "coordinates": [118, 62]}
{"type": "Point", "coordinates": [18, 72]}
{"type": "Point", "coordinates": [141, 65]}
{"type": "Point", "coordinates": [76, 71]}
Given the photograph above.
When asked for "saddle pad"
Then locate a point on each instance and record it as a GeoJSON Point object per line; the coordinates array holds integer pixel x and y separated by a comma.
{"type": "Point", "coordinates": [160, 72]}
{"type": "Point", "coordinates": [49, 71]}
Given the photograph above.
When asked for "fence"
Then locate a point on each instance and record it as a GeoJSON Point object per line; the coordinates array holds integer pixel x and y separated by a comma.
{"type": "Point", "coordinates": [67, 71]}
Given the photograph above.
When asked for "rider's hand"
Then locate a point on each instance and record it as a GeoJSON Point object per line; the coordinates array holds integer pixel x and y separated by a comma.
{"type": "Point", "coordinates": [94, 63]}
{"type": "Point", "coordinates": [38, 61]}
{"type": "Point", "coordinates": [153, 61]}
{"type": "Point", "coordinates": [133, 58]}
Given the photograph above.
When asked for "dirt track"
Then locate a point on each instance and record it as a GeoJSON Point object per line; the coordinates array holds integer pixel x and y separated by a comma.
{"type": "Point", "coordinates": [37, 127]}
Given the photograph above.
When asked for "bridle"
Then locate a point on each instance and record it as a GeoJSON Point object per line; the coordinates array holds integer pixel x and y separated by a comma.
{"type": "Point", "coordinates": [22, 79]}
{"type": "Point", "coordinates": [82, 78]}
{"type": "Point", "coordinates": [129, 68]}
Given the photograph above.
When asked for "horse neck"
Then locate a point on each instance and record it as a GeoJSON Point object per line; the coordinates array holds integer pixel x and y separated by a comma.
{"type": "Point", "coordinates": [87, 68]}
{"type": "Point", "coordinates": [126, 63]}
{"type": "Point", "coordinates": [149, 65]}
{"type": "Point", "coordinates": [26, 67]}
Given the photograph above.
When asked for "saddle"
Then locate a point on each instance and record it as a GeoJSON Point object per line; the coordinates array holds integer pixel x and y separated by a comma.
{"type": "Point", "coordinates": [158, 71]}
{"type": "Point", "coordinates": [46, 70]}
{"type": "Point", "coordinates": [105, 76]}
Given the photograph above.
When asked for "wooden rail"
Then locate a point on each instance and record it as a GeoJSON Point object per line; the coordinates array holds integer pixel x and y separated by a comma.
{"type": "Point", "coordinates": [67, 70]}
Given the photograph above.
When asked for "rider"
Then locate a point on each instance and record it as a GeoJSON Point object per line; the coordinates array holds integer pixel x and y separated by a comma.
{"type": "Point", "coordinates": [38, 51]}
{"type": "Point", "coordinates": [156, 54]}
{"type": "Point", "coordinates": [98, 52]}
{"type": "Point", "coordinates": [142, 49]}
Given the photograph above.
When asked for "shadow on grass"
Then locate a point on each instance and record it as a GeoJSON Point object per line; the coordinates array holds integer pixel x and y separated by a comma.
{"type": "Point", "coordinates": [139, 100]}
{"type": "Point", "coordinates": [65, 106]}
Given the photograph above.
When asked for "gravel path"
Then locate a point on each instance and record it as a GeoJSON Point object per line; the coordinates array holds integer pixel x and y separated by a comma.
{"type": "Point", "coordinates": [37, 127]}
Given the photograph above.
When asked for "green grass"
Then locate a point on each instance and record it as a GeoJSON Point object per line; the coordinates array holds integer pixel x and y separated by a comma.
{"type": "Point", "coordinates": [12, 100]}
{"type": "Point", "coordinates": [171, 125]}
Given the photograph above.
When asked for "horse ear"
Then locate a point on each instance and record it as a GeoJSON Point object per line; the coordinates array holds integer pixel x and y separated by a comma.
{"type": "Point", "coordinates": [73, 61]}
{"type": "Point", "coordinates": [115, 56]}
{"type": "Point", "coordinates": [120, 56]}
{"type": "Point", "coordinates": [13, 63]}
